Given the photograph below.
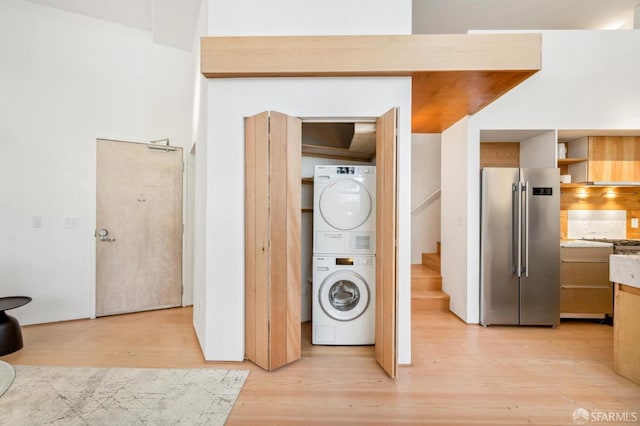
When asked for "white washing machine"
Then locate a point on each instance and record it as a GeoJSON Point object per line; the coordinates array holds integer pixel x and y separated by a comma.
{"type": "Point", "coordinates": [344, 216]}
{"type": "Point", "coordinates": [343, 300]}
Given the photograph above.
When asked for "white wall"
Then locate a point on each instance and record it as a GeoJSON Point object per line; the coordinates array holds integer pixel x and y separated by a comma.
{"type": "Point", "coordinates": [230, 100]}
{"type": "Point", "coordinates": [455, 187]}
{"type": "Point", "coordinates": [589, 80]}
{"type": "Point", "coordinates": [425, 180]}
{"type": "Point", "coordinates": [198, 132]}
{"type": "Point", "coordinates": [309, 17]}
{"type": "Point", "coordinates": [540, 151]}
{"type": "Point", "coordinates": [66, 80]}
{"type": "Point", "coordinates": [199, 225]}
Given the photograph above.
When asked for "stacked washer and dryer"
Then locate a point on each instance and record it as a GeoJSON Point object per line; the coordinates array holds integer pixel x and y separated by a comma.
{"type": "Point", "coordinates": [344, 223]}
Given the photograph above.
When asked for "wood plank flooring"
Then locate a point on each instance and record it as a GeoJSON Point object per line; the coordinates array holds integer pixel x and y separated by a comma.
{"type": "Point", "coordinates": [462, 374]}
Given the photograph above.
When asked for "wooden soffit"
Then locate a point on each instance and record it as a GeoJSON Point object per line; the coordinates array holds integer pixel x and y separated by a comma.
{"type": "Point", "coordinates": [453, 75]}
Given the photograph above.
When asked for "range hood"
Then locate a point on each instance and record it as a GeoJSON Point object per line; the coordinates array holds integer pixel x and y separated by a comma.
{"type": "Point", "coordinates": [604, 183]}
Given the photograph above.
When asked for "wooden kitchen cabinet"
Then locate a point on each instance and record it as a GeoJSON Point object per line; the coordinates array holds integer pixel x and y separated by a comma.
{"type": "Point", "coordinates": [608, 159]}
{"type": "Point", "coordinates": [626, 322]}
{"type": "Point", "coordinates": [626, 332]}
{"type": "Point", "coordinates": [585, 289]}
{"type": "Point", "coordinates": [499, 154]}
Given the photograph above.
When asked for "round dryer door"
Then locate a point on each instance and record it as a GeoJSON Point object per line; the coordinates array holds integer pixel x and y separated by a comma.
{"type": "Point", "coordinates": [345, 204]}
{"type": "Point", "coordinates": [344, 296]}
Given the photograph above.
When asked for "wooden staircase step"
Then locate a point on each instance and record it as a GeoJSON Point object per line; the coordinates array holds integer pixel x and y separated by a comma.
{"type": "Point", "coordinates": [423, 278]}
{"type": "Point", "coordinates": [421, 271]}
{"type": "Point", "coordinates": [430, 300]}
{"type": "Point", "coordinates": [431, 261]}
{"type": "Point", "coordinates": [426, 285]}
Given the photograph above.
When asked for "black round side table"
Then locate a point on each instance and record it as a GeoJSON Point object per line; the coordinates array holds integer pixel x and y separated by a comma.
{"type": "Point", "coordinates": [10, 333]}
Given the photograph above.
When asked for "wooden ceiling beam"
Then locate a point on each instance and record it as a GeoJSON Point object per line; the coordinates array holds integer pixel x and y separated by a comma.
{"type": "Point", "coordinates": [452, 75]}
{"type": "Point", "coordinates": [367, 55]}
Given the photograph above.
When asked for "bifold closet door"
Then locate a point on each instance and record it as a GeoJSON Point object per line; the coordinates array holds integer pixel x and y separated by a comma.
{"type": "Point", "coordinates": [386, 249]}
{"type": "Point", "coordinates": [272, 239]}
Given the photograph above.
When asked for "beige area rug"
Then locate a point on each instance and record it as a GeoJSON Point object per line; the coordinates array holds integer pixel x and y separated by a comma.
{"type": "Point", "coordinates": [7, 374]}
{"type": "Point", "coordinates": [120, 396]}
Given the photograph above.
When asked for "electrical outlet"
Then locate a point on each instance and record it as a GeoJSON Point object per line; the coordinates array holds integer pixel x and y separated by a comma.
{"type": "Point", "coordinates": [634, 222]}
{"type": "Point", "coordinates": [36, 221]}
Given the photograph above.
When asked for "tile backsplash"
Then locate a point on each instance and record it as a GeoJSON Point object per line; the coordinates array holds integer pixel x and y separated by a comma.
{"type": "Point", "coordinates": [597, 224]}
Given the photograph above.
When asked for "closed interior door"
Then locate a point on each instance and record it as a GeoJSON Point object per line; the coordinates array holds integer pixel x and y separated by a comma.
{"type": "Point", "coordinates": [138, 227]}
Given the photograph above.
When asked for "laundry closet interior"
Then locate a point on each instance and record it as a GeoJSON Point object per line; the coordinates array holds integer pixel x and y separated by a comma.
{"type": "Point", "coordinates": [338, 231]}
{"type": "Point", "coordinates": [327, 224]}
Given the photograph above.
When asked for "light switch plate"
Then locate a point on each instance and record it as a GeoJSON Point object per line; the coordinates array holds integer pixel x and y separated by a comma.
{"type": "Point", "coordinates": [71, 222]}
{"type": "Point", "coordinates": [36, 221]}
{"type": "Point", "coordinates": [634, 222]}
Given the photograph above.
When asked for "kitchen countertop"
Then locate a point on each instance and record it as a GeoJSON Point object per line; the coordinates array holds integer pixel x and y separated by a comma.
{"type": "Point", "coordinates": [625, 269]}
{"type": "Point", "coordinates": [583, 243]}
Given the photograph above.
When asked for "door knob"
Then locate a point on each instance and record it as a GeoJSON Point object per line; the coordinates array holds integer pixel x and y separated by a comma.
{"type": "Point", "coordinates": [103, 234]}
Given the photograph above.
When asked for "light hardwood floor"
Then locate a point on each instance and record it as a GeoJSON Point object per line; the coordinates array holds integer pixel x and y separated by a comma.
{"type": "Point", "coordinates": [461, 373]}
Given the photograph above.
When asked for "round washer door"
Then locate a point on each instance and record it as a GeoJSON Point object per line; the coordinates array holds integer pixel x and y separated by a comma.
{"type": "Point", "coordinates": [344, 295]}
{"type": "Point", "coordinates": [345, 204]}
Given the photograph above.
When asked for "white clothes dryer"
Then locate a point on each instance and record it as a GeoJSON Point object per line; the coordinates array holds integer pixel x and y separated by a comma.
{"type": "Point", "coordinates": [343, 300]}
{"type": "Point", "coordinates": [344, 204]}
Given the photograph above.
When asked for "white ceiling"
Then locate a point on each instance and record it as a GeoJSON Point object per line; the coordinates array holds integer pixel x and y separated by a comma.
{"type": "Point", "coordinates": [132, 13]}
{"type": "Point", "coordinates": [173, 22]}
{"type": "Point", "coordinates": [459, 16]}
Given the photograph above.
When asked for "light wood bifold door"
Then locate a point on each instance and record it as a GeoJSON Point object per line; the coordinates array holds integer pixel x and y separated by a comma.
{"type": "Point", "coordinates": [386, 237]}
{"type": "Point", "coordinates": [272, 239]}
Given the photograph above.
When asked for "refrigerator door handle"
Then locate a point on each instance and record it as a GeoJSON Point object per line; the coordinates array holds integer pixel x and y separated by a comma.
{"type": "Point", "coordinates": [516, 238]}
{"type": "Point", "coordinates": [526, 228]}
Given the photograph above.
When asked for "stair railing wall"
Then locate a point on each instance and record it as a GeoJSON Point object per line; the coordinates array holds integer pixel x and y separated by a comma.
{"type": "Point", "coordinates": [427, 201]}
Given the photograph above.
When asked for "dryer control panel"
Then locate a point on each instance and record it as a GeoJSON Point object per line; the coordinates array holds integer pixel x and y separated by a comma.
{"type": "Point", "coordinates": [346, 170]}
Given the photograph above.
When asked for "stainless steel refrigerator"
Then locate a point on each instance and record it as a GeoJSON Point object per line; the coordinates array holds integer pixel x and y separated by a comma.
{"type": "Point", "coordinates": [520, 247]}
